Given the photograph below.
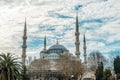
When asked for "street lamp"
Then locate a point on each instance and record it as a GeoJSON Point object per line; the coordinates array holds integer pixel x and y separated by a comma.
{"type": "Point", "coordinates": [72, 77]}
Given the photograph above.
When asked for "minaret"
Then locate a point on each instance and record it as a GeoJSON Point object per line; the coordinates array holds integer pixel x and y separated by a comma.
{"type": "Point", "coordinates": [77, 43]}
{"type": "Point", "coordinates": [84, 48]}
{"type": "Point", "coordinates": [24, 46]}
{"type": "Point", "coordinates": [44, 49]}
{"type": "Point", "coordinates": [45, 43]}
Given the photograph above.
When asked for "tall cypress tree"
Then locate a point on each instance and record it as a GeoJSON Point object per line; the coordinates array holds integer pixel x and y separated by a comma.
{"type": "Point", "coordinates": [99, 71]}
{"type": "Point", "coordinates": [117, 66]}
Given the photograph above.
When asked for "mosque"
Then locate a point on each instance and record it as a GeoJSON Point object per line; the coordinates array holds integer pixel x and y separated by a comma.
{"type": "Point", "coordinates": [52, 54]}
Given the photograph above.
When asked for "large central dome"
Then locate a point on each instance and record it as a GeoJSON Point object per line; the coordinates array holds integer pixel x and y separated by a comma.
{"type": "Point", "coordinates": [57, 48]}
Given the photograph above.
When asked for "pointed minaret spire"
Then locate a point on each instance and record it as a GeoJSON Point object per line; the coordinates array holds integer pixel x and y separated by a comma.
{"type": "Point", "coordinates": [25, 28]}
{"type": "Point", "coordinates": [45, 42]}
{"type": "Point", "coordinates": [24, 46]}
{"type": "Point", "coordinates": [77, 43]}
{"type": "Point", "coordinates": [77, 24]}
{"type": "Point", "coordinates": [84, 48]}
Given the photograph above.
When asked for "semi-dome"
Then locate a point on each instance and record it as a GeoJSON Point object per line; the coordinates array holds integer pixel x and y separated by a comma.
{"type": "Point", "coordinates": [53, 55]}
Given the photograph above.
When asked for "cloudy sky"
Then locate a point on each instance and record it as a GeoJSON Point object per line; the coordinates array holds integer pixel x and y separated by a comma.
{"type": "Point", "coordinates": [100, 19]}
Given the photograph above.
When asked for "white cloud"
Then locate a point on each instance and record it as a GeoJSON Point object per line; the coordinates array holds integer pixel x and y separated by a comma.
{"type": "Point", "coordinates": [44, 14]}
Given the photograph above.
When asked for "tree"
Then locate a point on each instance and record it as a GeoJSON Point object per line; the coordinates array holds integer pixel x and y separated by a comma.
{"type": "Point", "coordinates": [69, 66]}
{"type": "Point", "coordinates": [117, 65]}
{"type": "Point", "coordinates": [24, 75]}
{"type": "Point", "coordinates": [94, 58]}
{"type": "Point", "coordinates": [107, 74]}
{"type": "Point", "coordinates": [63, 64]}
{"type": "Point", "coordinates": [10, 68]}
{"type": "Point", "coordinates": [77, 69]}
{"type": "Point", "coordinates": [99, 71]}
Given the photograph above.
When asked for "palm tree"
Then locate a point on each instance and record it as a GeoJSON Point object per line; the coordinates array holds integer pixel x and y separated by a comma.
{"type": "Point", "coordinates": [10, 68]}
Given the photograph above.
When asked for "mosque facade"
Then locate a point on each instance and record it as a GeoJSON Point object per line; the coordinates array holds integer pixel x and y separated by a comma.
{"type": "Point", "coordinates": [54, 51]}
{"type": "Point", "coordinates": [52, 54]}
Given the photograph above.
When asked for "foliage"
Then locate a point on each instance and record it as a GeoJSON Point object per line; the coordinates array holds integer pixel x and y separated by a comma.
{"type": "Point", "coordinates": [99, 71]}
{"type": "Point", "coordinates": [24, 74]}
{"type": "Point", "coordinates": [77, 68]}
{"type": "Point", "coordinates": [10, 68]}
{"type": "Point", "coordinates": [69, 66]}
{"type": "Point", "coordinates": [117, 64]}
{"type": "Point", "coordinates": [63, 63]}
{"type": "Point", "coordinates": [107, 74]}
{"type": "Point", "coordinates": [94, 58]}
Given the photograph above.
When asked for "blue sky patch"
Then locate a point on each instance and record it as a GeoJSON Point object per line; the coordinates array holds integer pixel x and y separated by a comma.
{"type": "Point", "coordinates": [57, 15]}
{"type": "Point", "coordinates": [78, 7]}
{"type": "Point", "coordinates": [36, 41]}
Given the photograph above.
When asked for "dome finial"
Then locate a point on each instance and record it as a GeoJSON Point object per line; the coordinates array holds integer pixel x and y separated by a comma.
{"type": "Point", "coordinates": [57, 41]}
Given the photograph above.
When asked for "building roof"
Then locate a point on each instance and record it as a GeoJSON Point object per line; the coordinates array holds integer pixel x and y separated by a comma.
{"type": "Point", "coordinates": [58, 47]}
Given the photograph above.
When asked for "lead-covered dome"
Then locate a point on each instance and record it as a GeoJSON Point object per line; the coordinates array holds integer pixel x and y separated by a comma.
{"type": "Point", "coordinates": [57, 48]}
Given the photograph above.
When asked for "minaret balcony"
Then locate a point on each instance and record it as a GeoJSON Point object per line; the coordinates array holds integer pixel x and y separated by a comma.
{"type": "Point", "coordinates": [24, 37]}
{"type": "Point", "coordinates": [77, 53]}
{"type": "Point", "coordinates": [85, 47]}
{"type": "Point", "coordinates": [23, 56]}
{"type": "Point", "coordinates": [24, 46]}
{"type": "Point", "coordinates": [77, 33]}
{"type": "Point", "coordinates": [77, 43]}
{"type": "Point", "coordinates": [85, 54]}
